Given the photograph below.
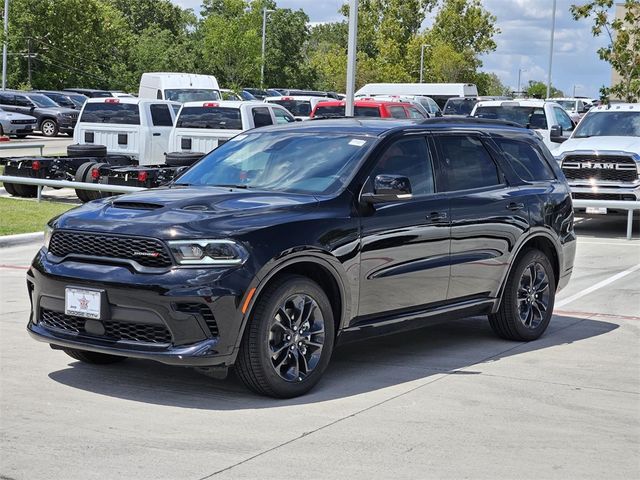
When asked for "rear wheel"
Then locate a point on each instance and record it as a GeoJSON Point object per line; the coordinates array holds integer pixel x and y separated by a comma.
{"type": "Point", "coordinates": [93, 357]}
{"type": "Point", "coordinates": [288, 341]}
{"type": "Point", "coordinates": [25, 191]}
{"type": "Point", "coordinates": [94, 194]}
{"type": "Point", "coordinates": [80, 176]}
{"type": "Point", "coordinates": [528, 299]}
{"type": "Point", "coordinates": [10, 188]}
{"type": "Point", "coordinates": [49, 128]}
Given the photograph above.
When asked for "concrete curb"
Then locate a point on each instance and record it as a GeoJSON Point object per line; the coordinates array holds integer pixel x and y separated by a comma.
{"type": "Point", "coordinates": [20, 239]}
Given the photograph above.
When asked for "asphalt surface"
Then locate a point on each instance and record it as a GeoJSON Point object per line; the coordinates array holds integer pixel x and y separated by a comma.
{"type": "Point", "coordinates": [52, 146]}
{"type": "Point", "coordinates": [448, 401]}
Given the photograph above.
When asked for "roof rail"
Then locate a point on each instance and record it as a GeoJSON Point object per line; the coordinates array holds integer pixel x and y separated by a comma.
{"type": "Point", "coordinates": [472, 120]}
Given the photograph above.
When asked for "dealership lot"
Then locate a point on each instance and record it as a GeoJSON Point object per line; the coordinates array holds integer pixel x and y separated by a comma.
{"type": "Point", "coordinates": [448, 401]}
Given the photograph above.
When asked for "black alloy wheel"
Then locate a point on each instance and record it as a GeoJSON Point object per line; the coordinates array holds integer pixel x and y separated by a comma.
{"type": "Point", "coordinates": [528, 298]}
{"type": "Point", "coordinates": [288, 340]}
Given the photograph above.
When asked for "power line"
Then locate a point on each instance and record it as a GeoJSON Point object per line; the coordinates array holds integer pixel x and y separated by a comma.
{"type": "Point", "coordinates": [62, 65]}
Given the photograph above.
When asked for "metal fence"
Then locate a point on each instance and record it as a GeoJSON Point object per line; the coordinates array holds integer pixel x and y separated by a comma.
{"type": "Point", "coordinates": [43, 182]}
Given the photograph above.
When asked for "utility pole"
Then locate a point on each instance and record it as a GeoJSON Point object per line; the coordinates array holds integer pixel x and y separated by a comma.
{"type": "Point", "coordinates": [4, 44]}
{"type": "Point", "coordinates": [264, 40]}
{"type": "Point", "coordinates": [29, 60]}
{"type": "Point", "coordinates": [520, 70]}
{"type": "Point", "coordinates": [422, 60]}
{"type": "Point", "coordinates": [553, 29]}
{"type": "Point", "coordinates": [351, 57]}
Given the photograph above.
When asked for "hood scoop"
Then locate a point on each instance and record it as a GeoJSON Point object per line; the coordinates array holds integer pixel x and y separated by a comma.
{"type": "Point", "coordinates": [137, 205]}
{"type": "Point", "coordinates": [197, 208]}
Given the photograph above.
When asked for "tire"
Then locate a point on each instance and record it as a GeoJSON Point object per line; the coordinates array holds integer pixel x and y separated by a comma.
{"type": "Point", "coordinates": [86, 150]}
{"type": "Point", "coordinates": [93, 357]}
{"type": "Point", "coordinates": [21, 136]}
{"type": "Point", "coordinates": [26, 191]}
{"type": "Point", "coordinates": [93, 194]}
{"type": "Point", "coordinates": [49, 127]}
{"type": "Point", "coordinates": [182, 159]}
{"type": "Point", "coordinates": [10, 188]}
{"type": "Point", "coordinates": [266, 333]}
{"type": "Point", "coordinates": [525, 312]}
{"type": "Point", "coordinates": [80, 175]}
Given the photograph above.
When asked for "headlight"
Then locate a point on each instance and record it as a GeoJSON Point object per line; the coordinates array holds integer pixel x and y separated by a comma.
{"type": "Point", "coordinates": [48, 231]}
{"type": "Point", "coordinates": [208, 252]}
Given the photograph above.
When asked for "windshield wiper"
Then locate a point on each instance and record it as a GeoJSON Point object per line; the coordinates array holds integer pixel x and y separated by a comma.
{"type": "Point", "coordinates": [231, 185]}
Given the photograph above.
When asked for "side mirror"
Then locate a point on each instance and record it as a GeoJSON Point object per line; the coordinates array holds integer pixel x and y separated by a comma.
{"type": "Point", "coordinates": [32, 108]}
{"type": "Point", "coordinates": [555, 134]}
{"type": "Point", "coordinates": [389, 188]}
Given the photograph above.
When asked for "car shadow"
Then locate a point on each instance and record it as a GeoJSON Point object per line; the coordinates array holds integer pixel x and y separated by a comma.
{"type": "Point", "coordinates": [356, 368]}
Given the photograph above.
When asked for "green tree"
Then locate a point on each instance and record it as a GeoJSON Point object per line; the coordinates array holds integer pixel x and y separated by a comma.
{"type": "Point", "coordinates": [623, 50]}
{"type": "Point", "coordinates": [537, 89]}
{"type": "Point", "coordinates": [162, 14]}
{"type": "Point", "coordinates": [490, 84]}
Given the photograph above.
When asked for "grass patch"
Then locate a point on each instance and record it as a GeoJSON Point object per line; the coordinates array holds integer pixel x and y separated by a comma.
{"type": "Point", "coordinates": [25, 216]}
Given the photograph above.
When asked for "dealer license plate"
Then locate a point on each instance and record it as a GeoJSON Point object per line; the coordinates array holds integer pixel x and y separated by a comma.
{"type": "Point", "coordinates": [82, 303]}
{"type": "Point", "coordinates": [597, 210]}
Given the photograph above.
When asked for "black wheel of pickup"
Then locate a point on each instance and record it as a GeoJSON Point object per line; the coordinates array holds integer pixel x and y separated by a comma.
{"type": "Point", "coordinates": [10, 188]}
{"type": "Point", "coordinates": [83, 171]}
{"type": "Point", "coordinates": [93, 357]}
{"type": "Point", "coordinates": [94, 194]}
{"type": "Point", "coordinates": [86, 150]}
{"type": "Point", "coordinates": [182, 159]}
{"type": "Point", "coordinates": [25, 191]}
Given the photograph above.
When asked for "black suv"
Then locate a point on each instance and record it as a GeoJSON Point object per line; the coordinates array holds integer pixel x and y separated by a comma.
{"type": "Point", "coordinates": [52, 118]}
{"type": "Point", "coordinates": [286, 240]}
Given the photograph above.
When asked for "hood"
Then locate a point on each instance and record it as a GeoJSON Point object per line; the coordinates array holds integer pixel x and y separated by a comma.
{"type": "Point", "coordinates": [187, 212]}
{"type": "Point", "coordinates": [621, 144]}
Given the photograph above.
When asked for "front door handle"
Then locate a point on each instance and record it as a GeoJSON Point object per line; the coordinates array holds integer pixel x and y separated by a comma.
{"type": "Point", "coordinates": [157, 134]}
{"type": "Point", "coordinates": [514, 206]}
{"type": "Point", "coordinates": [437, 216]}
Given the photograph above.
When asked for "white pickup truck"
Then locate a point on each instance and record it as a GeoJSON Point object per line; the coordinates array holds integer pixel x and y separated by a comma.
{"type": "Point", "coordinates": [202, 126]}
{"type": "Point", "coordinates": [601, 159]}
{"type": "Point", "coordinates": [548, 119]}
{"type": "Point", "coordinates": [136, 127]}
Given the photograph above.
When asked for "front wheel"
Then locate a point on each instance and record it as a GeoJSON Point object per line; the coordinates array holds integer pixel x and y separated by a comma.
{"type": "Point", "coordinates": [288, 341]}
{"type": "Point", "coordinates": [49, 128]}
{"type": "Point", "coordinates": [528, 299]}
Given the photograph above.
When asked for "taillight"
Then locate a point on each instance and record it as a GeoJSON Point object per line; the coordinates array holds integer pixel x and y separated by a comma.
{"type": "Point", "coordinates": [35, 165]}
{"type": "Point", "coordinates": [210, 104]}
{"type": "Point", "coordinates": [112, 100]}
{"type": "Point", "coordinates": [95, 173]}
{"type": "Point", "coordinates": [142, 176]}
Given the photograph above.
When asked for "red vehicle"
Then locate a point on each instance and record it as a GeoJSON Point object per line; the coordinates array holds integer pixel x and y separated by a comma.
{"type": "Point", "coordinates": [367, 108]}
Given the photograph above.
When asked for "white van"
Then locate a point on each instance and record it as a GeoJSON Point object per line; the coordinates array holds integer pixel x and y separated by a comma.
{"type": "Point", "coordinates": [128, 126]}
{"type": "Point", "coordinates": [179, 87]}
{"type": "Point", "coordinates": [202, 126]}
{"type": "Point", "coordinates": [440, 92]}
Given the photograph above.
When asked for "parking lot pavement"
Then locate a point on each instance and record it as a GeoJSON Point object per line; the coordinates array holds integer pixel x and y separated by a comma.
{"type": "Point", "coordinates": [447, 401]}
{"type": "Point", "coordinates": [52, 146]}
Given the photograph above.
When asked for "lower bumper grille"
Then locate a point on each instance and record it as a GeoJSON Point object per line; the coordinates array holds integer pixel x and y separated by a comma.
{"type": "Point", "coordinates": [604, 196]}
{"type": "Point", "coordinates": [136, 332]}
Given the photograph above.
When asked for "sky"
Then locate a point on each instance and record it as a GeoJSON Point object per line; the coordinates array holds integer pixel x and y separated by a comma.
{"type": "Point", "coordinates": [524, 42]}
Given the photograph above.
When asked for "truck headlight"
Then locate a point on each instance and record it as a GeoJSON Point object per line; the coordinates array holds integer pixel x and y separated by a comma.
{"type": "Point", "coordinates": [48, 231]}
{"type": "Point", "coordinates": [208, 252]}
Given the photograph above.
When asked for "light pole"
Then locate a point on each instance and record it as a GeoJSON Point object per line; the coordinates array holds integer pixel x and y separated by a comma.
{"type": "Point", "coordinates": [553, 29]}
{"type": "Point", "coordinates": [520, 70]}
{"type": "Point", "coordinates": [351, 57]}
{"type": "Point", "coordinates": [264, 38]}
{"type": "Point", "coordinates": [4, 44]}
{"type": "Point", "coordinates": [422, 59]}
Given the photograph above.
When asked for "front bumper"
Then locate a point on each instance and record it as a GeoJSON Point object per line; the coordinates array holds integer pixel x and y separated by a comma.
{"type": "Point", "coordinates": [200, 319]}
{"type": "Point", "coordinates": [25, 129]}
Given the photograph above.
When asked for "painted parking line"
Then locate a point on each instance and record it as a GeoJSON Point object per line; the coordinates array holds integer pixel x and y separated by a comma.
{"type": "Point", "coordinates": [14, 267]}
{"type": "Point", "coordinates": [597, 286]}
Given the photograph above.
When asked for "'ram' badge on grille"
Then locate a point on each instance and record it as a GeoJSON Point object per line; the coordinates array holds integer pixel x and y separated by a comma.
{"type": "Point", "coordinates": [147, 254]}
{"type": "Point", "coordinates": [598, 166]}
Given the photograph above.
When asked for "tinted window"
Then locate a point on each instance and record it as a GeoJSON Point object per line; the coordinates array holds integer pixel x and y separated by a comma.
{"type": "Point", "coordinates": [609, 123]}
{"type": "Point", "coordinates": [60, 99]}
{"type": "Point", "coordinates": [282, 116]}
{"type": "Point", "coordinates": [563, 119]}
{"type": "Point", "coordinates": [41, 100]}
{"type": "Point", "coordinates": [161, 116]}
{"type": "Point", "coordinates": [415, 113]}
{"type": "Point", "coordinates": [467, 163]}
{"type": "Point", "coordinates": [118, 113]}
{"type": "Point", "coordinates": [338, 111]}
{"type": "Point", "coordinates": [397, 112]}
{"type": "Point", "coordinates": [261, 117]}
{"type": "Point", "coordinates": [299, 108]}
{"type": "Point", "coordinates": [459, 106]}
{"type": "Point", "coordinates": [210, 117]}
{"type": "Point", "coordinates": [22, 101]}
{"type": "Point", "coordinates": [532, 116]}
{"type": "Point", "coordinates": [525, 160]}
{"type": "Point", "coordinates": [410, 158]}
{"type": "Point", "coordinates": [6, 99]}
{"type": "Point", "coordinates": [191, 94]}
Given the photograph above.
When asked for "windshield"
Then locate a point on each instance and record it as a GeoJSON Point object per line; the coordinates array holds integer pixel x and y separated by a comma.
{"type": "Point", "coordinates": [119, 113]}
{"type": "Point", "coordinates": [532, 116]}
{"type": "Point", "coordinates": [459, 106]}
{"type": "Point", "coordinates": [191, 94]}
{"type": "Point", "coordinates": [609, 124]}
{"type": "Point", "coordinates": [299, 108]}
{"type": "Point", "coordinates": [338, 111]}
{"type": "Point", "coordinates": [282, 161]}
{"type": "Point", "coordinates": [566, 104]}
{"type": "Point", "coordinates": [210, 117]}
{"type": "Point", "coordinates": [42, 101]}
{"type": "Point", "coordinates": [61, 100]}
{"type": "Point", "coordinates": [78, 99]}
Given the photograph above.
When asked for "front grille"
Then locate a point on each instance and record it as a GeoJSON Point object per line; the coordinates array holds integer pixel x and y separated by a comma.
{"type": "Point", "coordinates": [604, 196]}
{"type": "Point", "coordinates": [111, 246]}
{"type": "Point", "coordinates": [135, 332]}
{"type": "Point", "coordinates": [204, 311]}
{"type": "Point", "coordinates": [624, 168]}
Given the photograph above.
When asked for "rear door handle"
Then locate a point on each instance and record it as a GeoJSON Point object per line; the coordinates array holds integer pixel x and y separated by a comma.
{"type": "Point", "coordinates": [514, 206]}
{"type": "Point", "coordinates": [437, 216]}
{"type": "Point", "coordinates": [157, 134]}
